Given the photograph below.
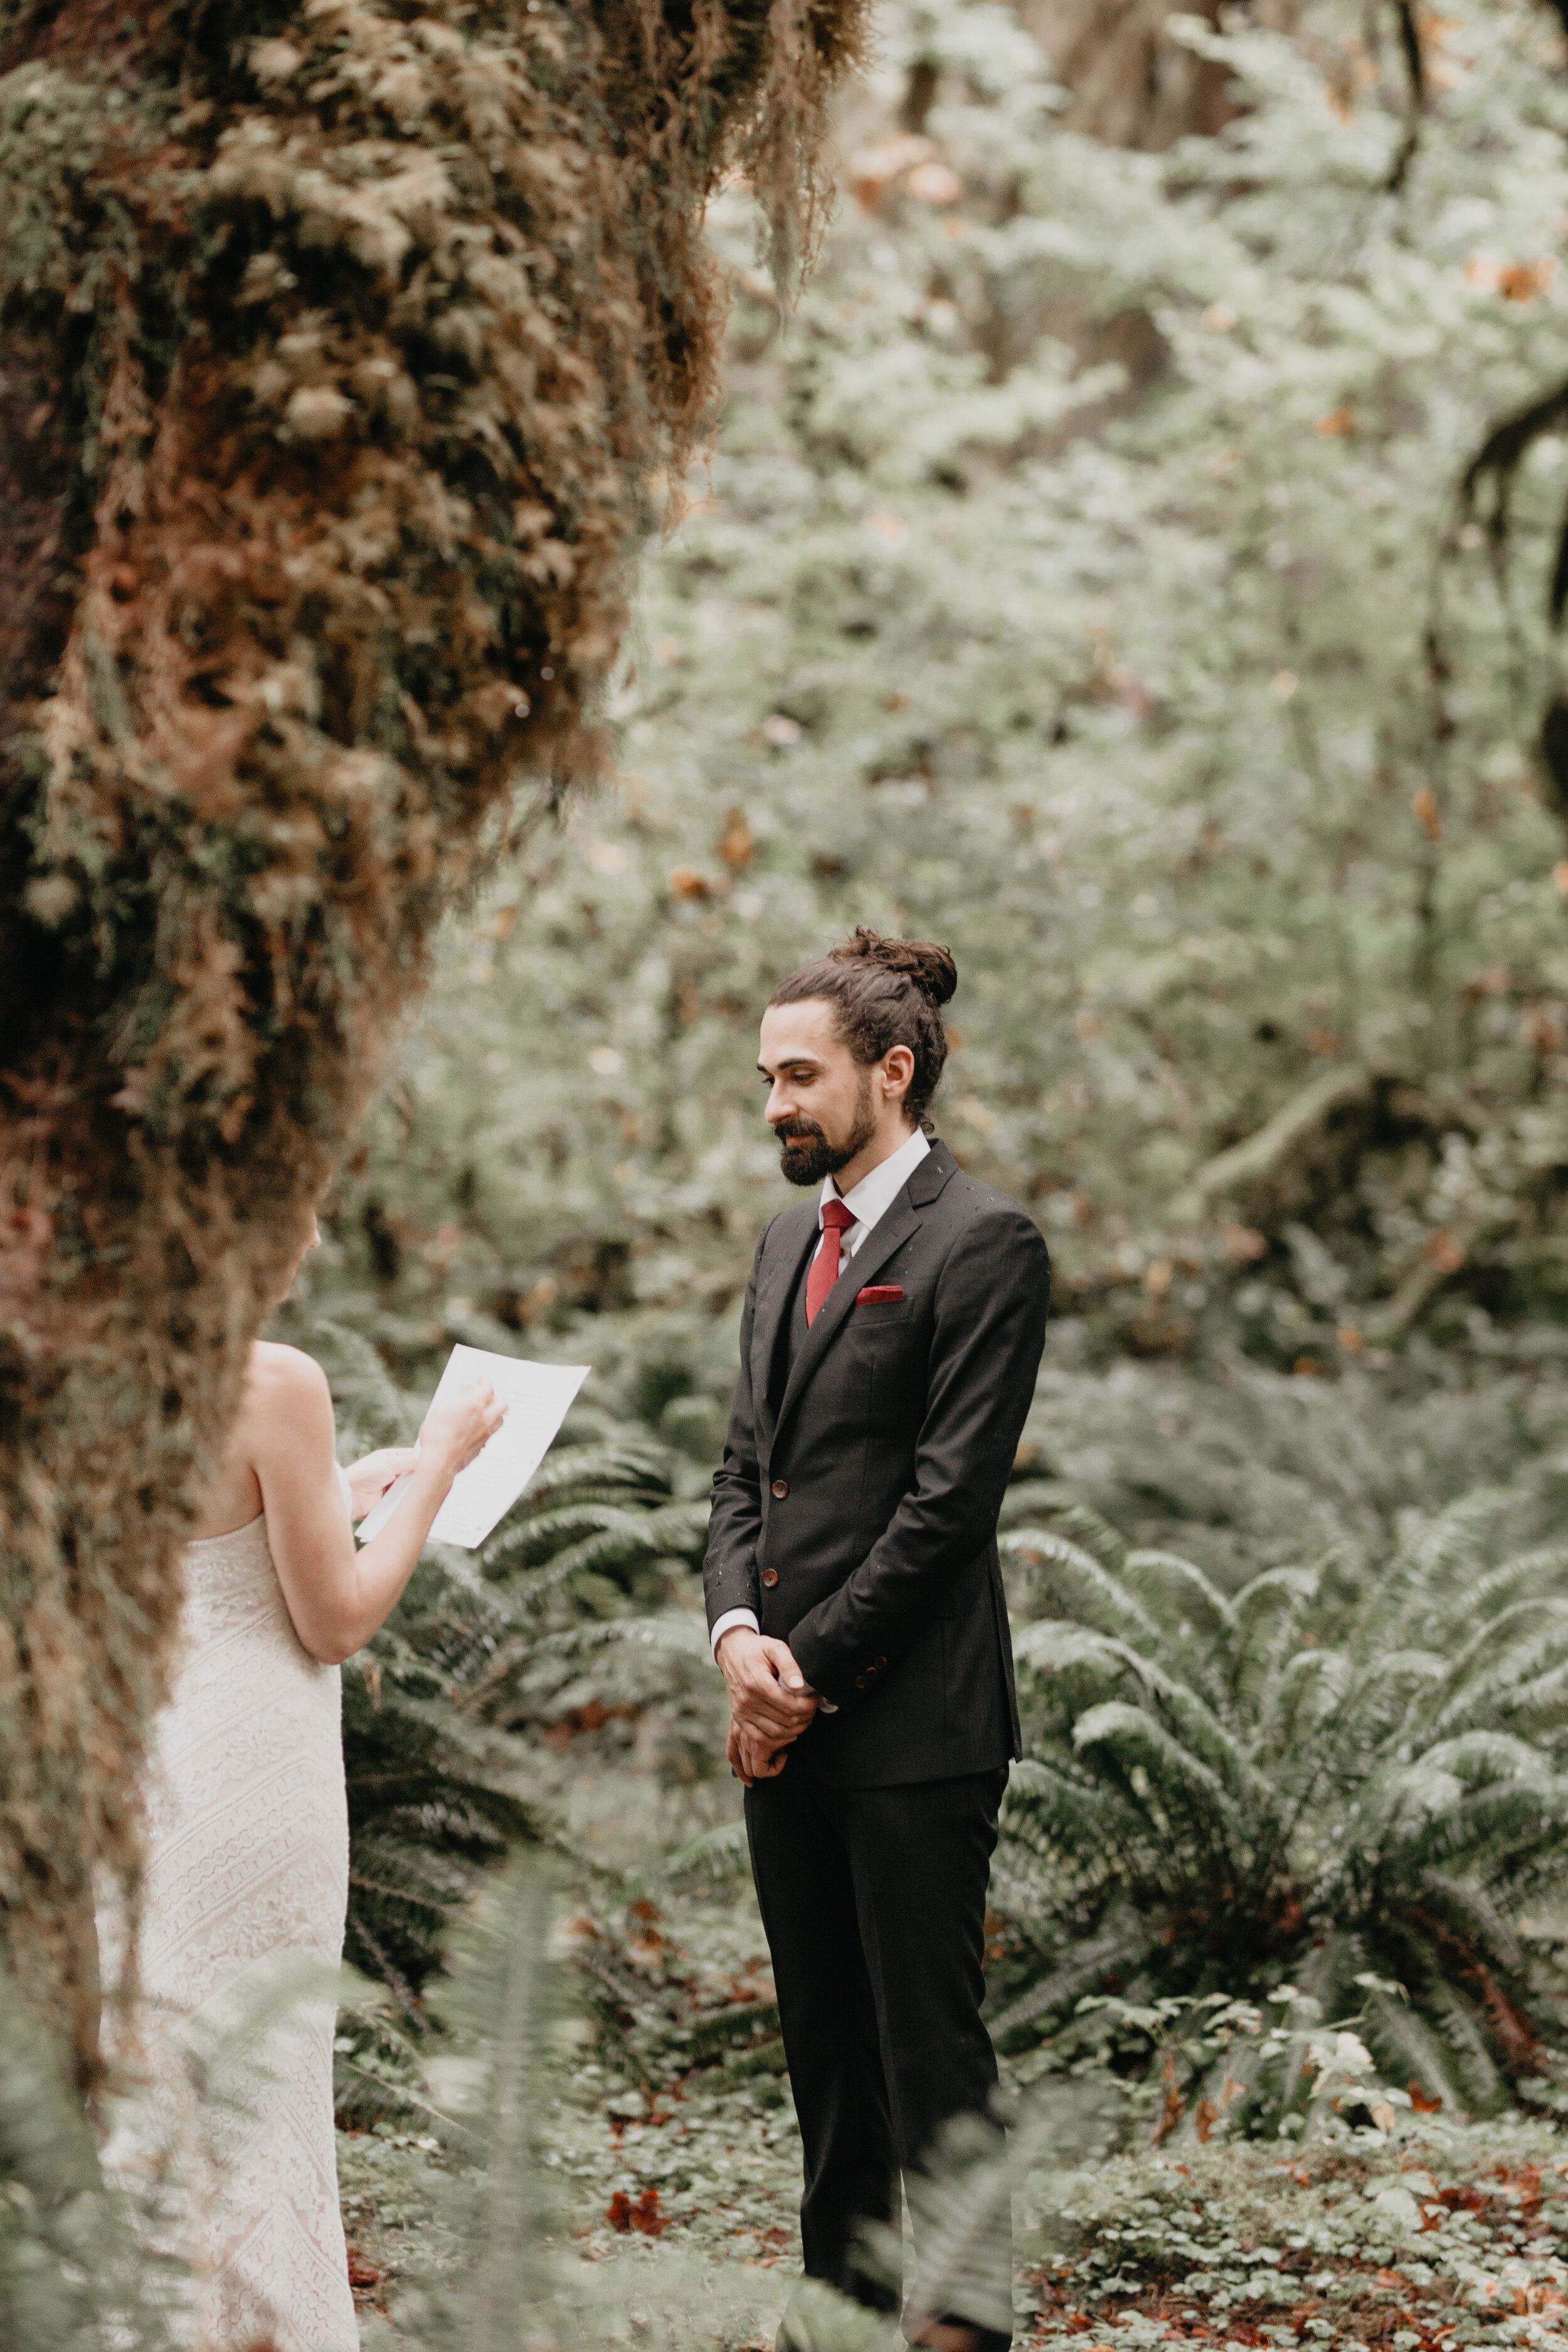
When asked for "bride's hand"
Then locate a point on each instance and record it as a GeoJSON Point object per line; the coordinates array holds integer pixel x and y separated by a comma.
{"type": "Point", "coordinates": [370, 1477]}
{"type": "Point", "coordinates": [454, 1432]}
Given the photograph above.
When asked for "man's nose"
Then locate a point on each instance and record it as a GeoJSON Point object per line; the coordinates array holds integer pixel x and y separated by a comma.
{"type": "Point", "coordinates": [779, 1107]}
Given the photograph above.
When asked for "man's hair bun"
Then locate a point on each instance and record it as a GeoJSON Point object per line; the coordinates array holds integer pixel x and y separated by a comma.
{"type": "Point", "coordinates": [932, 968]}
{"type": "Point", "coordinates": [884, 993]}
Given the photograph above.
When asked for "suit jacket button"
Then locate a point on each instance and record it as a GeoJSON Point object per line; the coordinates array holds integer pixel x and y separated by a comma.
{"type": "Point", "coordinates": [769, 1577]}
{"type": "Point", "coordinates": [780, 1488]}
{"type": "Point", "coordinates": [860, 1680]}
{"type": "Point", "coordinates": [878, 1663]}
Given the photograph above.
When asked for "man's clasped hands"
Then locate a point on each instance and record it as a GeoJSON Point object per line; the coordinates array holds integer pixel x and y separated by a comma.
{"type": "Point", "coordinates": [771, 1702]}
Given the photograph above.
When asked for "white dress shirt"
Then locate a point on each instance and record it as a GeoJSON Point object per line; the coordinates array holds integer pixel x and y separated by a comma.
{"type": "Point", "coordinates": [868, 1202]}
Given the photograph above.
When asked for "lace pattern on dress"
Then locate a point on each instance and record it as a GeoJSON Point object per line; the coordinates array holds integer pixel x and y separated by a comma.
{"type": "Point", "coordinates": [244, 1893]}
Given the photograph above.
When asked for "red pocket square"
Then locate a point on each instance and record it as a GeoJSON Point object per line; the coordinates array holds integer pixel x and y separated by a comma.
{"type": "Point", "coordinates": [878, 1293]}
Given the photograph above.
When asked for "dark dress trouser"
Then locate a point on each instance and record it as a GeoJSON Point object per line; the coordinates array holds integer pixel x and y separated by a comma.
{"type": "Point", "coordinates": [874, 1903]}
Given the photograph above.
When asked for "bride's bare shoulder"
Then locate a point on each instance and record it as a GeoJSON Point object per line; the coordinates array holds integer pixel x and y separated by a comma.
{"type": "Point", "coordinates": [285, 1422]}
{"type": "Point", "coordinates": [285, 1383]}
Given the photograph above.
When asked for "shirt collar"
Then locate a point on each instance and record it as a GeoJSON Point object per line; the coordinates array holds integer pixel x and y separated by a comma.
{"type": "Point", "coordinates": [875, 1194]}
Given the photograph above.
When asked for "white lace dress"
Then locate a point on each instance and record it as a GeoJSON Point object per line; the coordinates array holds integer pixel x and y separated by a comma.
{"type": "Point", "coordinates": [243, 1899]}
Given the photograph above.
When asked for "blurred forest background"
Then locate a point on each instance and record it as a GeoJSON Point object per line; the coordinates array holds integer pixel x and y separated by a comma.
{"type": "Point", "coordinates": [1136, 563]}
{"type": "Point", "coordinates": [1086, 575]}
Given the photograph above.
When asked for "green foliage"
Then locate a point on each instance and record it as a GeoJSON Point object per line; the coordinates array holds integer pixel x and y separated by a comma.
{"type": "Point", "coordinates": [1438, 2235]}
{"type": "Point", "coordinates": [72, 2276]}
{"type": "Point", "coordinates": [1179, 697]}
{"type": "Point", "coordinates": [500, 1996]}
{"type": "Point", "coordinates": [1247, 1469]}
{"type": "Point", "coordinates": [1387, 2220]}
{"type": "Point", "coordinates": [505, 2280]}
{"type": "Point", "coordinates": [1347, 1768]}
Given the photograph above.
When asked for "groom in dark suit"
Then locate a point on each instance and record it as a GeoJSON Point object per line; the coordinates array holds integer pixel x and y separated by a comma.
{"type": "Point", "coordinates": [890, 1338]}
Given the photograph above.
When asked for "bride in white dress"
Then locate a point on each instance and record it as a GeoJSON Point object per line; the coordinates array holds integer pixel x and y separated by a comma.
{"type": "Point", "coordinates": [246, 1875]}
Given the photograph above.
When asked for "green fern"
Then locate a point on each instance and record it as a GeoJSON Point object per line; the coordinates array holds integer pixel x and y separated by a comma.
{"type": "Point", "coordinates": [433, 1799]}
{"type": "Point", "coordinates": [1355, 1766]}
{"type": "Point", "coordinates": [1245, 1468]}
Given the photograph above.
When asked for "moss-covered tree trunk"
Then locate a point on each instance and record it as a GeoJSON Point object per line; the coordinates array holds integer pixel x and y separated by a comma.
{"type": "Point", "coordinates": [337, 338]}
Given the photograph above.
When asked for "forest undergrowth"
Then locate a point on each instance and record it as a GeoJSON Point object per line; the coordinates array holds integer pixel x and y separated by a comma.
{"type": "Point", "coordinates": [1425, 2235]}
{"type": "Point", "coordinates": [1340, 1574]}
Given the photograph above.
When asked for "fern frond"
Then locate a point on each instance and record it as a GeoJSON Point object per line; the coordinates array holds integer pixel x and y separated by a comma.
{"type": "Point", "coordinates": [1481, 2086]}
{"type": "Point", "coordinates": [1106, 1599]}
{"type": "Point", "coordinates": [1027, 1499]}
{"type": "Point", "coordinates": [1433, 1552]}
{"type": "Point", "coordinates": [1136, 1740]}
{"type": "Point", "coordinates": [1527, 1678]}
{"type": "Point", "coordinates": [362, 1384]}
{"type": "Point", "coordinates": [1084, 1829]}
{"type": "Point", "coordinates": [1081, 1522]}
{"type": "Point", "coordinates": [1156, 1575]}
{"type": "Point", "coordinates": [1072, 1810]}
{"type": "Point", "coordinates": [681, 1631]}
{"type": "Point", "coordinates": [1471, 1913]}
{"type": "Point", "coordinates": [616, 1536]}
{"type": "Point", "coordinates": [1272, 1590]}
{"type": "Point", "coordinates": [543, 1534]}
{"type": "Point", "coordinates": [961, 2203]}
{"type": "Point", "coordinates": [1121, 1952]}
{"type": "Point", "coordinates": [624, 1461]}
{"type": "Point", "coordinates": [722, 1852]}
{"type": "Point", "coordinates": [1491, 1755]}
{"type": "Point", "coordinates": [1489, 1608]}
{"type": "Point", "coordinates": [1498, 1826]}
{"type": "Point", "coordinates": [1269, 1609]}
{"type": "Point", "coordinates": [1309, 1692]}
{"type": "Point", "coordinates": [1407, 2047]}
{"type": "Point", "coordinates": [499, 1999]}
{"type": "Point", "coordinates": [1344, 1755]}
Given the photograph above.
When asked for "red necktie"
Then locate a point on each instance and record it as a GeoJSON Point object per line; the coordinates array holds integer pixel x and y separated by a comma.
{"type": "Point", "coordinates": [824, 1271]}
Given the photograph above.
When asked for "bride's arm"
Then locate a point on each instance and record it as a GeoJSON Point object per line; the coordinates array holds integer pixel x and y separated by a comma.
{"type": "Point", "coordinates": [336, 1596]}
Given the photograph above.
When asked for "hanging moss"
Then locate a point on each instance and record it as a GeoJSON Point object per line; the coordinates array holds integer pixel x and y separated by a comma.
{"type": "Point", "coordinates": [337, 343]}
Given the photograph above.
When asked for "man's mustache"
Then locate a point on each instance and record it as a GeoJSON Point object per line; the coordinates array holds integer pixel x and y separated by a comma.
{"type": "Point", "coordinates": [798, 1131]}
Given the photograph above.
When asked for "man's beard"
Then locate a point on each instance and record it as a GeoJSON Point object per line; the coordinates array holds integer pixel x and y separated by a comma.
{"type": "Point", "coordinates": [805, 1154]}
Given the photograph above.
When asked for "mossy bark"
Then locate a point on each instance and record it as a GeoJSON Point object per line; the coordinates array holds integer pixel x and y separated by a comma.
{"type": "Point", "coordinates": [338, 342]}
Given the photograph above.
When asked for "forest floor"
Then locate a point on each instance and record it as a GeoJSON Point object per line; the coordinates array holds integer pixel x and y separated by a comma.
{"type": "Point", "coordinates": [1450, 2236]}
{"type": "Point", "coordinates": [704, 2164]}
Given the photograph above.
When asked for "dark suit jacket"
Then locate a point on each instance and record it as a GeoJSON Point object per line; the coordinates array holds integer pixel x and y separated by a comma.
{"type": "Point", "coordinates": [856, 1508]}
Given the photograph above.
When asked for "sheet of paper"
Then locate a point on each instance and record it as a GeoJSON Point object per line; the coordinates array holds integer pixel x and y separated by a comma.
{"type": "Point", "coordinates": [536, 1397]}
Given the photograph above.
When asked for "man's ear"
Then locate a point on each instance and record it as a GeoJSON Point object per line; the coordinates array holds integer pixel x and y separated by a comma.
{"type": "Point", "coordinates": [898, 1063]}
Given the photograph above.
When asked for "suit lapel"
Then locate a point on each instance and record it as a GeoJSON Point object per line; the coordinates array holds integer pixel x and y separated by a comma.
{"type": "Point", "coordinates": [774, 1299]}
{"type": "Point", "coordinates": [932, 1175]}
{"type": "Point", "coordinates": [888, 1234]}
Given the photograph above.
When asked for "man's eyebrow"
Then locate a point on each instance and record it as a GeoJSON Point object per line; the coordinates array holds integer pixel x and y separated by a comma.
{"type": "Point", "coordinates": [790, 1062]}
